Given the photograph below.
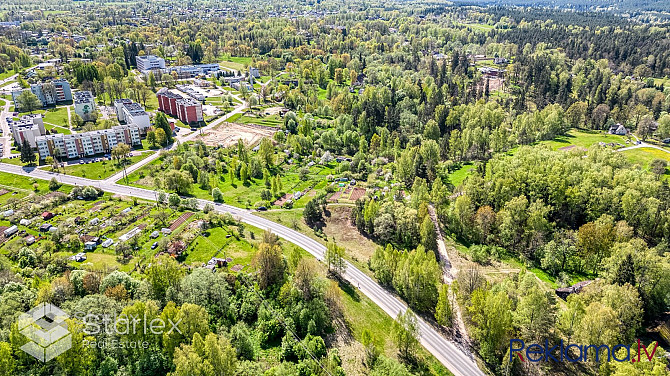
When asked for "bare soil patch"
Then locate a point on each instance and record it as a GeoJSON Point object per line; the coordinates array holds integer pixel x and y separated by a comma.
{"type": "Point", "coordinates": [227, 134]}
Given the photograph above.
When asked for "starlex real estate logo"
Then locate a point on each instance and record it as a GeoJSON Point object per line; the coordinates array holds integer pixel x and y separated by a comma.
{"type": "Point", "coordinates": [47, 330]}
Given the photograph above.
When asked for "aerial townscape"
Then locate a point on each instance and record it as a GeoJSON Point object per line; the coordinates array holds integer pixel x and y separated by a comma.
{"type": "Point", "coordinates": [330, 188]}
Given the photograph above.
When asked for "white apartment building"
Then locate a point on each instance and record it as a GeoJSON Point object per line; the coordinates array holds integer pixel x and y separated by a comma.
{"type": "Point", "coordinates": [87, 144]}
{"type": "Point", "coordinates": [129, 112]}
{"type": "Point", "coordinates": [84, 104]}
{"type": "Point", "coordinates": [149, 62]}
{"type": "Point", "coordinates": [29, 127]}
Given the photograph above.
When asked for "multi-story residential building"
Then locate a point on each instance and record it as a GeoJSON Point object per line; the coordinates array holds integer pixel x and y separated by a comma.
{"type": "Point", "coordinates": [49, 93]}
{"type": "Point", "coordinates": [87, 144]}
{"type": "Point", "coordinates": [84, 104]}
{"type": "Point", "coordinates": [129, 112]}
{"type": "Point", "coordinates": [149, 62]}
{"type": "Point", "coordinates": [188, 110]}
{"type": "Point", "coordinates": [29, 127]}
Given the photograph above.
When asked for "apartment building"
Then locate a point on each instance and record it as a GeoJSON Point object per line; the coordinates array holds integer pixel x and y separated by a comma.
{"type": "Point", "coordinates": [49, 93]}
{"type": "Point", "coordinates": [87, 144]}
{"type": "Point", "coordinates": [84, 104]}
{"type": "Point", "coordinates": [129, 112]}
{"type": "Point", "coordinates": [188, 110]}
{"type": "Point", "coordinates": [28, 127]}
{"type": "Point", "coordinates": [149, 62]}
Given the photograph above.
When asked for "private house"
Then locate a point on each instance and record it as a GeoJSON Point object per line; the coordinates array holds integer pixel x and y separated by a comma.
{"type": "Point", "coordinates": [564, 292]}
{"type": "Point", "coordinates": [618, 129]}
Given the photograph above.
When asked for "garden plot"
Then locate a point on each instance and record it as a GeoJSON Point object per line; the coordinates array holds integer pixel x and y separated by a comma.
{"type": "Point", "coordinates": [227, 134]}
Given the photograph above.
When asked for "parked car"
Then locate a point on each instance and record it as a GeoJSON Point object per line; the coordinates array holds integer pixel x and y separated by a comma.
{"type": "Point", "coordinates": [154, 245]}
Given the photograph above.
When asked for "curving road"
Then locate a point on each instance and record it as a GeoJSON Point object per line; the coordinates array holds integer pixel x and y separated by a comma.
{"type": "Point", "coordinates": [459, 362]}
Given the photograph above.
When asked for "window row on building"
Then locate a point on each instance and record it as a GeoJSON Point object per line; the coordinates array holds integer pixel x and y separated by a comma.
{"type": "Point", "coordinates": [188, 110]}
{"type": "Point", "coordinates": [87, 144]}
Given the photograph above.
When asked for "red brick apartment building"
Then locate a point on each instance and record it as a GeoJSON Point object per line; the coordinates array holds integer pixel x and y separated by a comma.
{"type": "Point", "coordinates": [188, 110]}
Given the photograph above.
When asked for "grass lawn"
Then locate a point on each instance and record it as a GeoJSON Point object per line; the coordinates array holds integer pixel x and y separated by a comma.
{"type": "Point", "coordinates": [102, 169]}
{"type": "Point", "coordinates": [6, 74]}
{"type": "Point", "coordinates": [57, 116]}
{"type": "Point", "coordinates": [21, 186]}
{"type": "Point", "coordinates": [644, 156]}
{"type": "Point", "coordinates": [214, 243]}
{"type": "Point", "coordinates": [477, 26]}
{"type": "Point", "coordinates": [14, 161]}
{"type": "Point", "coordinates": [235, 62]}
{"type": "Point", "coordinates": [268, 120]}
{"type": "Point", "coordinates": [457, 177]}
{"type": "Point", "coordinates": [584, 139]}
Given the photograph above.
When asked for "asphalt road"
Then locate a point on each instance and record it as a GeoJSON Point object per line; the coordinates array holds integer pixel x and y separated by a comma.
{"type": "Point", "coordinates": [459, 362]}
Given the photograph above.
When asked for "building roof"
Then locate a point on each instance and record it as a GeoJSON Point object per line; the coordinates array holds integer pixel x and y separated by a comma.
{"type": "Point", "coordinates": [82, 97]}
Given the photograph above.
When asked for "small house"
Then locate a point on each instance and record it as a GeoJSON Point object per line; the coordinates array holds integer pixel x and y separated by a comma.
{"type": "Point", "coordinates": [47, 216]}
{"type": "Point", "coordinates": [564, 292]}
{"type": "Point", "coordinates": [30, 240]}
{"type": "Point", "coordinates": [94, 221]}
{"type": "Point", "coordinates": [25, 222]}
{"type": "Point", "coordinates": [166, 231]}
{"type": "Point", "coordinates": [218, 262]}
{"type": "Point", "coordinates": [53, 229]}
{"type": "Point", "coordinates": [90, 246]}
{"type": "Point", "coordinates": [45, 227]}
{"type": "Point", "coordinates": [11, 231]}
{"type": "Point", "coordinates": [107, 243]}
{"type": "Point", "coordinates": [618, 129]}
{"type": "Point", "coordinates": [155, 234]}
{"type": "Point", "coordinates": [125, 211]}
{"type": "Point", "coordinates": [79, 257]}
{"type": "Point", "coordinates": [8, 213]}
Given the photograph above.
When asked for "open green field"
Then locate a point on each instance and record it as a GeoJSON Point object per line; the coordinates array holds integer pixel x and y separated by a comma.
{"type": "Point", "coordinates": [267, 120]}
{"type": "Point", "coordinates": [477, 26]}
{"type": "Point", "coordinates": [457, 177]}
{"type": "Point", "coordinates": [584, 139]}
{"type": "Point", "coordinates": [235, 62]}
{"type": "Point", "coordinates": [19, 187]}
{"type": "Point", "coordinates": [6, 74]}
{"type": "Point", "coordinates": [644, 156]}
{"type": "Point", "coordinates": [102, 169]}
{"type": "Point", "coordinates": [57, 116]}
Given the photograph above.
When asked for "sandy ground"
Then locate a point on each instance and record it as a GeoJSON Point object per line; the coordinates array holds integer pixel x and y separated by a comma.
{"type": "Point", "coordinates": [227, 134]}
